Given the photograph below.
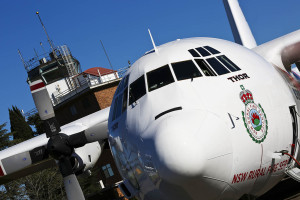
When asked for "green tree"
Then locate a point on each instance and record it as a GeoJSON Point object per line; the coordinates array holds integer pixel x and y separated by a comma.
{"type": "Point", "coordinates": [18, 125]}
{"type": "Point", "coordinates": [4, 137]}
{"type": "Point", "coordinates": [46, 184]}
{"type": "Point", "coordinates": [10, 190]}
{"type": "Point", "coordinates": [35, 120]}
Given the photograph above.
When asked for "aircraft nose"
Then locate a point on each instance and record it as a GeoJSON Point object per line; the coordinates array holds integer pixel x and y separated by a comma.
{"type": "Point", "coordinates": [195, 152]}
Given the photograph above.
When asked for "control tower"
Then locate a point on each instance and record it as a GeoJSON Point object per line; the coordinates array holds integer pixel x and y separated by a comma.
{"type": "Point", "coordinates": [55, 68]}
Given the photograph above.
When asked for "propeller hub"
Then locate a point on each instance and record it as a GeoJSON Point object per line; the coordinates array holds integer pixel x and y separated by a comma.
{"type": "Point", "coordinates": [58, 146]}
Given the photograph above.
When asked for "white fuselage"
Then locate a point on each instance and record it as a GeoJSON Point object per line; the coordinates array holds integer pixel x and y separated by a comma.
{"type": "Point", "coordinates": [188, 139]}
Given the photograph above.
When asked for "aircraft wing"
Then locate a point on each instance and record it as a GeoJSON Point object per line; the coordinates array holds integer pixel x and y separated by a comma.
{"type": "Point", "coordinates": [31, 156]}
{"type": "Point", "coordinates": [282, 51]}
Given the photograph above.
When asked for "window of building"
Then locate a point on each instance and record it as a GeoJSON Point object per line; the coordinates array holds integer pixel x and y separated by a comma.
{"type": "Point", "coordinates": [202, 51]}
{"type": "Point", "coordinates": [73, 110]}
{"type": "Point", "coordinates": [125, 95]}
{"type": "Point", "coordinates": [108, 172]}
{"type": "Point", "coordinates": [137, 89]}
{"type": "Point", "coordinates": [185, 70]}
{"type": "Point", "coordinates": [228, 63]}
{"type": "Point", "coordinates": [217, 66]}
{"type": "Point", "coordinates": [205, 68]}
{"type": "Point", "coordinates": [211, 50]}
{"type": "Point", "coordinates": [194, 53]}
{"type": "Point", "coordinates": [159, 78]}
{"type": "Point", "coordinates": [86, 103]}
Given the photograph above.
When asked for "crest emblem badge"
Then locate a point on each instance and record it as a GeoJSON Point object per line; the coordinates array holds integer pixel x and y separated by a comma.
{"type": "Point", "coordinates": [254, 117]}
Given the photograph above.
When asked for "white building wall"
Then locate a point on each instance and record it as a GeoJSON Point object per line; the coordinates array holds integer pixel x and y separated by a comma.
{"type": "Point", "coordinates": [109, 77]}
{"type": "Point", "coordinates": [57, 87]}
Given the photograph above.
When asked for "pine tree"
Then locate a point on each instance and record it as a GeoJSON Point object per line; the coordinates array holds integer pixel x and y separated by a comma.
{"type": "Point", "coordinates": [4, 137]}
{"type": "Point", "coordinates": [18, 126]}
{"type": "Point", "coordinates": [35, 120]}
{"type": "Point", "coordinates": [46, 184]}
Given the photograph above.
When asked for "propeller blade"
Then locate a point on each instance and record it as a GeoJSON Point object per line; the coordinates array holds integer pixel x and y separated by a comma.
{"type": "Point", "coordinates": [73, 188]}
{"type": "Point", "coordinates": [60, 146]}
{"type": "Point", "coordinates": [22, 160]}
{"type": "Point", "coordinates": [71, 183]}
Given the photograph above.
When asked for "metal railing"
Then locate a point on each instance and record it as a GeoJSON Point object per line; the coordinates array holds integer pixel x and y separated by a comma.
{"type": "Point", "coordinates": [45, 57]}
{"type": "Point", "coordinates": [87, 82]}
{"type": "Point", "coordinates": [30, 113]}
{"type": "Point", "coordinates": [62, 55]}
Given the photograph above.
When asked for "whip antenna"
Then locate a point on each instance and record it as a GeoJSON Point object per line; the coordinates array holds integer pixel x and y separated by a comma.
{"type": "Point", "coordinates": [48, 38]}
{"type": "Point", "coordinates": [106, 56]}
{"type": "Point", "coordinates": [154, 46]}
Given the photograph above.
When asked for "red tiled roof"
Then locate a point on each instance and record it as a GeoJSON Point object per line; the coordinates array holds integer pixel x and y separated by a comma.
{"type": "Point", "coordinates": [103, 71]}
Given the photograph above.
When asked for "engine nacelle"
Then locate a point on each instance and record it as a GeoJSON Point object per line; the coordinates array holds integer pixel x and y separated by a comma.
{"type": "Point", "coordinates": [84, 158]}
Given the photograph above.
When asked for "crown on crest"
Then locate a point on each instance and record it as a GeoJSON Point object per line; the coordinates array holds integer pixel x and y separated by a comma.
{"type": "Point", "coordinates": [246, 96]}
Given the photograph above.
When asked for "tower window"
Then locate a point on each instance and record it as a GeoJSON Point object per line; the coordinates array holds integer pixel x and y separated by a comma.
{"type": "Point", "coordinates": [73, 110]}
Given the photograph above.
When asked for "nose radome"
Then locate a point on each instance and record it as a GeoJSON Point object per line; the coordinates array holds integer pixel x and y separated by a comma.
{"type": "Point", "coordinates": [195, 146]}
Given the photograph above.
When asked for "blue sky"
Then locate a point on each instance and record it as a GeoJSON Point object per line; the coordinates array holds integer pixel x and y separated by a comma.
{"type": "Point", "coordinates": [122, 27]}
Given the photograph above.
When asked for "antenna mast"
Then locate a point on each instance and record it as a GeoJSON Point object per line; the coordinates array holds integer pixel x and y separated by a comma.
{"type": "Point", "coordinates": [107, 56]}
{"type": "Point", "coordinates": [23, 61]}
{"type": "Point", "coordinates": [48, 38]}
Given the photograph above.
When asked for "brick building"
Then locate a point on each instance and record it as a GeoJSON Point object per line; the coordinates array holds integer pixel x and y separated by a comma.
{"type": "Point", "coordinates": [93, 91]}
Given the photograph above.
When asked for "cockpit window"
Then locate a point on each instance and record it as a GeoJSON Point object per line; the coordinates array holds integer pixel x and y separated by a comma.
{"type": "Point", "coordinates": [137, 89]}
{"type": "Point", "coordinates": [203, 52]}
{"type": "Point", "coordinates": [120, 102]}
{"type": "Point", "coordinates": [122, 84]}
{"type": "Point", "coordinates": [228, 63]}
{"type": "Point", "coordinates": [217, 66]}
{"type": "Point", "coordinates": [194, 53]}
{"type": "Point", "coordinates": [211, 50]}
{"type": "Point", "coordinates": [159, 78]}
{"type": "Point", "coordinates": [205, 68]}
{"type": "Point", "coordinates": [220, 64]}
{"type": "Point", "coordinates": [126, 81]}
{"type": "Point", "coordinates": [115, 109]}
{"type": "Point", "coordinates": [119, 87]}
{"type": "Point", "coordinates": [119, 106]}
{"type": "Point", "coordinates": [125, 95]}
{"type": "Point", "coordinates": [185, 70]}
